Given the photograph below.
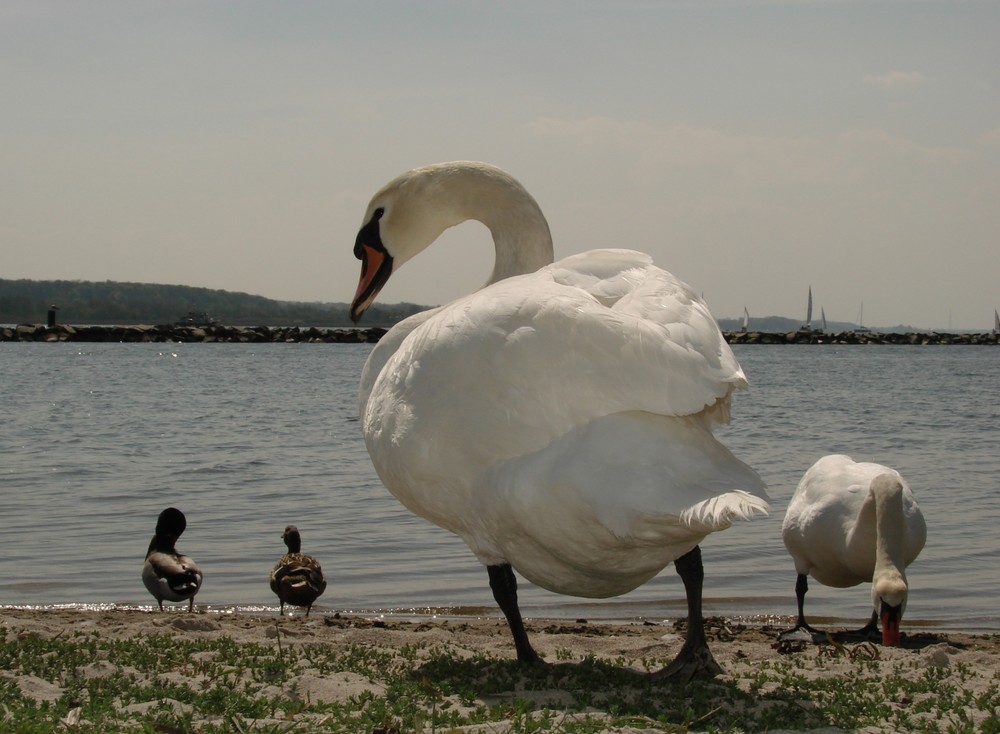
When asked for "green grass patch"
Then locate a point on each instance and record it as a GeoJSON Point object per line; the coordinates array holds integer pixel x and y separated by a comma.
{"type": "Point", "coordinates": [162, 683]}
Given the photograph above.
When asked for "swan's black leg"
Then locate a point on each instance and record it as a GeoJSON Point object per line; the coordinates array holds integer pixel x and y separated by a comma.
{"type": "Point", "coordinates": [694, 660]}
{"type": "Point", "coordinates": [504, 587]}
{"type": "Point", "coordinates": [801, 587]}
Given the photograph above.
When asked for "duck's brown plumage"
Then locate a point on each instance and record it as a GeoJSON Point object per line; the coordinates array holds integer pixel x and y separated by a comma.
{"type": "Point", "coordinates": [297, 578]}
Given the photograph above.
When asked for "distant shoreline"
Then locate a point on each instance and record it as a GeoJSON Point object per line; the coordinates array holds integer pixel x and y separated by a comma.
{"type": "Point", "coordinates": [184, 333]}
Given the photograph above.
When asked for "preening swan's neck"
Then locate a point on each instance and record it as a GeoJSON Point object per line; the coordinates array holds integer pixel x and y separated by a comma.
{"type": "Point", "coordinates": [448, 194]}
{"type": "Point", "coordinates": [889, 579]}
{"type": "Point", "coordinates": [520, 233]}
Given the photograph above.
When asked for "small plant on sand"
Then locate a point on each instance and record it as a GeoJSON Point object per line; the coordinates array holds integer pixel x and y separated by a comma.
{"type": "Point", "coordinates": [87, 683]}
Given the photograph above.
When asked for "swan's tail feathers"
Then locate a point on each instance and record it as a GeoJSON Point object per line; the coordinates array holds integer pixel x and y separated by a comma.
{"type": "Point", "coordinates": [718, 513]}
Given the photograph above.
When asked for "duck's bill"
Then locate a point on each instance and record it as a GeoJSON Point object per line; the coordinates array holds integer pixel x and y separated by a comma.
{"type": "Point", "coordinates": [376, 267]}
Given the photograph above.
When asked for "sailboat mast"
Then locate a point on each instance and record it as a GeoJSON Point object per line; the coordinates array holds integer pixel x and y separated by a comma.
{"type": "Point", "coordinates": [861, 316]}
{"type": "Point", "coordinates": [809, 309]}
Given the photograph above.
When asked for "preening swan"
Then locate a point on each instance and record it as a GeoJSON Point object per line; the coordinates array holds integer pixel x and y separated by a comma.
{"type": "Point", "coordinates": [297, 578]}
{"type": "Point", "coordinates": [166, 573]}
{"type": "Point", "coordinates": [558, 419]}
{"type": "Point", "coordinates": [852, 522]}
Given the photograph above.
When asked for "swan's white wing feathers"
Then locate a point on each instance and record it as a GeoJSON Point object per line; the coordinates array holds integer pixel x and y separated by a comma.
{"type": "Point", "coordinates": [673, 469]}
{"type": "Point", "coordinates": [384, 349]}
{"type": "Point", "coordinates": [606, 506]}
{"type": "Point", "coordinates": [628, 283]}
{"type": "Point", "coordinates": [528, 359]}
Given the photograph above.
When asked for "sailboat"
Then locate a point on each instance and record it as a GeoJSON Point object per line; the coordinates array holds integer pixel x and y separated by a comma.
{"type": "Point", "coordinates": [860, 326]}
{"type": "Point", "coordinates": [809, 312]}
{"type": "Point", "coordinates": [746, 320]}
{"type": "Point", "coordinates": [996, 322]}
{"type": "Point", "coordinates": [822, 315]}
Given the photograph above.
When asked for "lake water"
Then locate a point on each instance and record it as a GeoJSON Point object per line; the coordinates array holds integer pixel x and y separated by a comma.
{"type": "Point", "coordinates": [96, 439]}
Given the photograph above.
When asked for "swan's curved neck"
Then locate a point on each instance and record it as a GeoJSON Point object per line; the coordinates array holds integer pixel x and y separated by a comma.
{"type": "Point", "coordinates": [889, 522]}
{"type": "Point", "coordinates": [520, 234]}
{"type": "Point", "coordinates": [457, 192]}
{"type": "Point", "coordinates": [889, 577]}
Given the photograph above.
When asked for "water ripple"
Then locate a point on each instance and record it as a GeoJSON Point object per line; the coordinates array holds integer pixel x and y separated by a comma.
{"type": "Point", "coordinates": [246, 439]}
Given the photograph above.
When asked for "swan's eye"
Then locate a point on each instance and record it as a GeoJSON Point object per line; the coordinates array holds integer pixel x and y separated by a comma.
{"type": "Point", "coordinates": [369, 234]}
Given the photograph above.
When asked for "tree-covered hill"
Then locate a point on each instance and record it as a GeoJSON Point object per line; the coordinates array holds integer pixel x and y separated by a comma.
{"type": "Point", "coordinates": [109, 302]}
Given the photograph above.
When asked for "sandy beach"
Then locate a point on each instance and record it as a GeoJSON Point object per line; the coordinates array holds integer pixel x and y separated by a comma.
{"type": "Point", "coordinates": [129, 669]}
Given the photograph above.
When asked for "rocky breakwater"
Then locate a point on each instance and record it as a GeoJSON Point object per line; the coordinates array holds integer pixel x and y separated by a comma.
{"type": "Point", "coordinates": [187, 333]}
{"type": "Point", "coordinates": [858, 337]}
{"type": "Point", "coordinates": [317, 335]}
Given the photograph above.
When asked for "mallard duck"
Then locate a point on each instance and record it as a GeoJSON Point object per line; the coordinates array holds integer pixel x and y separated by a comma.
{"type": "Point", "coordinates": [166, 573]}
{"type": "Point", "coordinates": [297, 578]}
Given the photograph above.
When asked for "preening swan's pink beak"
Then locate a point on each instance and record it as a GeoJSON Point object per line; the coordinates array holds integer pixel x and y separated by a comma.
{"type": "Point", "coordinates": [376, 267]}
{"type": "Point", "coordinates": [890, 618]}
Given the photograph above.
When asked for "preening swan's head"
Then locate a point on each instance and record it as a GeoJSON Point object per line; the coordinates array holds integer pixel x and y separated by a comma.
{"type": "Point", "coordinates": [412, 211]}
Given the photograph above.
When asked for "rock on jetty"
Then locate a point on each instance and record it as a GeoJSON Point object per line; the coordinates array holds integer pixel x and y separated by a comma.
{"type": "Point", "coordinates": [317, 335]}
{"type": "Point", "coordinates": [857, 337]}
{"type": "Point", "coordinates": [189, 333]}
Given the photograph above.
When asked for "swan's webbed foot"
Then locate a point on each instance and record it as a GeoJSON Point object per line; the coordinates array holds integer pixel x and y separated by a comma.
{"type": "Point", "coordinates": [803, 632]}
{"type": "Point", "coordinates": [695, 660]}
{"type": "Point", "coordinates": [869, 633]}
{"type": "Point", "coordinates": [504, 586]}
{"type": "Point", "coordinates": [530, 656]}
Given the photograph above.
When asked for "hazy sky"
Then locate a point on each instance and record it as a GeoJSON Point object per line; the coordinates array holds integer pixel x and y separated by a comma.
{"type": "Point", "coordinates": [753, 148]}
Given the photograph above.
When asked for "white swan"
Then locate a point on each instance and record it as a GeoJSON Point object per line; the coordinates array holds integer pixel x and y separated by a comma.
{"type": "Point", "coordinates": [558, 419]}
{"type": "Point", "coordinates": [852, 522]}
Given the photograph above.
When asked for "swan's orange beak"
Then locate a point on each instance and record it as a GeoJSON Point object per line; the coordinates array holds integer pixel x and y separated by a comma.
{"type": "Point", "coordinates": [376, 266]}
{"type": "Point", "coordinates": [891, 617]}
